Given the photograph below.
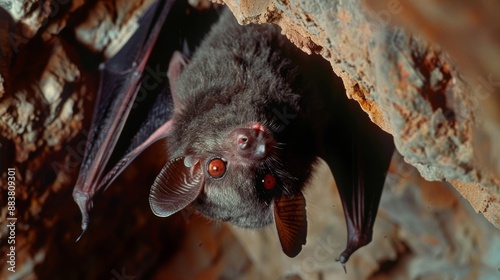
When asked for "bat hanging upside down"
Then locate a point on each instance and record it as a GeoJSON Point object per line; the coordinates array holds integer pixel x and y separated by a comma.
{"type": "Point", "coordinates": [252, 114]}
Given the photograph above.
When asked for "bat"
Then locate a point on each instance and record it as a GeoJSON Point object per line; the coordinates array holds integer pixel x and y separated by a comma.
{"type": "Point", "coordinates": [251, 116]}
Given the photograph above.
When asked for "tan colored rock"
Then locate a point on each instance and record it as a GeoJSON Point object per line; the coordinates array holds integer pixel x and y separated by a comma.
{"type": "Point", "coordinates": [110, 25]}
{"type": "Point", "coordinates": [439, 101]}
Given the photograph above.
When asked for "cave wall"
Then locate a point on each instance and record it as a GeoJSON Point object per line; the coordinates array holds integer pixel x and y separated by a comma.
{"type": "Point", "coordinates": [426, 72]}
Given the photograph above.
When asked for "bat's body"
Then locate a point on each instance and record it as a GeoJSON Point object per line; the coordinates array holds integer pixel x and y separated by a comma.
{"type": "Point", "coordinates": [252, 114]}
{"type": "Point", "coordinates": [245, 81]}
{"type": "Point", "coordinates": [253, 103]}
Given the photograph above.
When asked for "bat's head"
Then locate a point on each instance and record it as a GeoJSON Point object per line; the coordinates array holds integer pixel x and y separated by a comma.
{"type": "Point", "coordinates": [242, 164]}
{"type": "Point", "coordinates": [238, 187]}
{"type": "Point", "coordinates": [235, 176]}
{"type": "Point", "coordinates": [243, 179]}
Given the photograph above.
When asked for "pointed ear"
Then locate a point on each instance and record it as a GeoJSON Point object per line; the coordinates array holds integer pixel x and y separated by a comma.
{"type": "Point", "coordinates": [291, 222]}
{"type": "Point", "coordinates": [175, 187]}
{"type": "Point", "coordinates": [175, 67]}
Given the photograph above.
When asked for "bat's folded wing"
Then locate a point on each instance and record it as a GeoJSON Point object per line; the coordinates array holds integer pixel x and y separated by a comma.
{"type": "Point", "coordinates": [359, 159]}
{"type": "Point", "coordinates": [119, 83]}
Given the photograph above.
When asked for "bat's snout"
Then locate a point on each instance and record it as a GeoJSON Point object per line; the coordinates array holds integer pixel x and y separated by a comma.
{"type": "Point", "coordinates": [252, 143]}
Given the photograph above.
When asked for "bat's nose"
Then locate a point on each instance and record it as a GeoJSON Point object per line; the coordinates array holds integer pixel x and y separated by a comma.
{"type": "Point", "coordinates": [252, 143]}
{"type": "Point", "coordinates": [242, 141]}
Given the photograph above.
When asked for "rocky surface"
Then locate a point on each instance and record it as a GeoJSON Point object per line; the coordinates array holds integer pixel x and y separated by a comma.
{"type": "Point", "coordinates": [428, 72]}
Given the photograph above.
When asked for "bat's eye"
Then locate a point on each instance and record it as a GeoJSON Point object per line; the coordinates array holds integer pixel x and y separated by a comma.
{"type": "Point", "coordinates": [269, 181]}
{"type": "Point", "coordinates": [216, 168]}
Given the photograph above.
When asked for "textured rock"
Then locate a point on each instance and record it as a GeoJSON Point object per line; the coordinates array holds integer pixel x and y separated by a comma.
{"type": "Point", "coordinates": [420, 69]}
{"type": "Point", "coordinates": [110, 26]}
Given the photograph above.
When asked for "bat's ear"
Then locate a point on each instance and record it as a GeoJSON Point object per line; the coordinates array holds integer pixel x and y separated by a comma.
{"type": "Point", "coordinates": [175, 67]}
{"type": "Point", "coordinates": [178, 184]}
{"type": "Point", "coordinates": [291, 222]}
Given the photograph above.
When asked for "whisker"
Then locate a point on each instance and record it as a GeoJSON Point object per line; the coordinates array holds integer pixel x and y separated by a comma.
{"type": "Point", "coordinates": [280, 144]}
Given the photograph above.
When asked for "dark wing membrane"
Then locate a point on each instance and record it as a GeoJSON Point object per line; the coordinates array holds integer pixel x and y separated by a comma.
{"type": "Point", "coordinates": [359, 157]}
{"type": "Point", "coordinates": [119, 84]}
{"type": "Point", "coordinates": [156, 126]}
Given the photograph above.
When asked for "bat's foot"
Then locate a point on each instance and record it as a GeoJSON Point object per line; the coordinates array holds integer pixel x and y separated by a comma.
{"type": "Point", "coordinates": [80, 236]}
{"type": "Point", "coordinates": [342, 259]}
{"type": "Point", "coordinates": [84, 203]}
{"type": "Point", "coordinates": [353, 244]}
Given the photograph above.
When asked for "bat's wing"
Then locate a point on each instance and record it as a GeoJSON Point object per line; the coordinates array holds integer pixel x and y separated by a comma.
{"type": "Point", "coordinates": [119, 83]}
{"type": "Point", "coordinates": [156, 126]}
{"type": "Point", "coordinates": [359, 159]}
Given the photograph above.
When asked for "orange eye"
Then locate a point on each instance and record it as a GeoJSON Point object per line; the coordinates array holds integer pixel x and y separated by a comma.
{"type": "Point", "coordinates": [216, 168]}
{"type": "Point", "coordinates": [269, 181]}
